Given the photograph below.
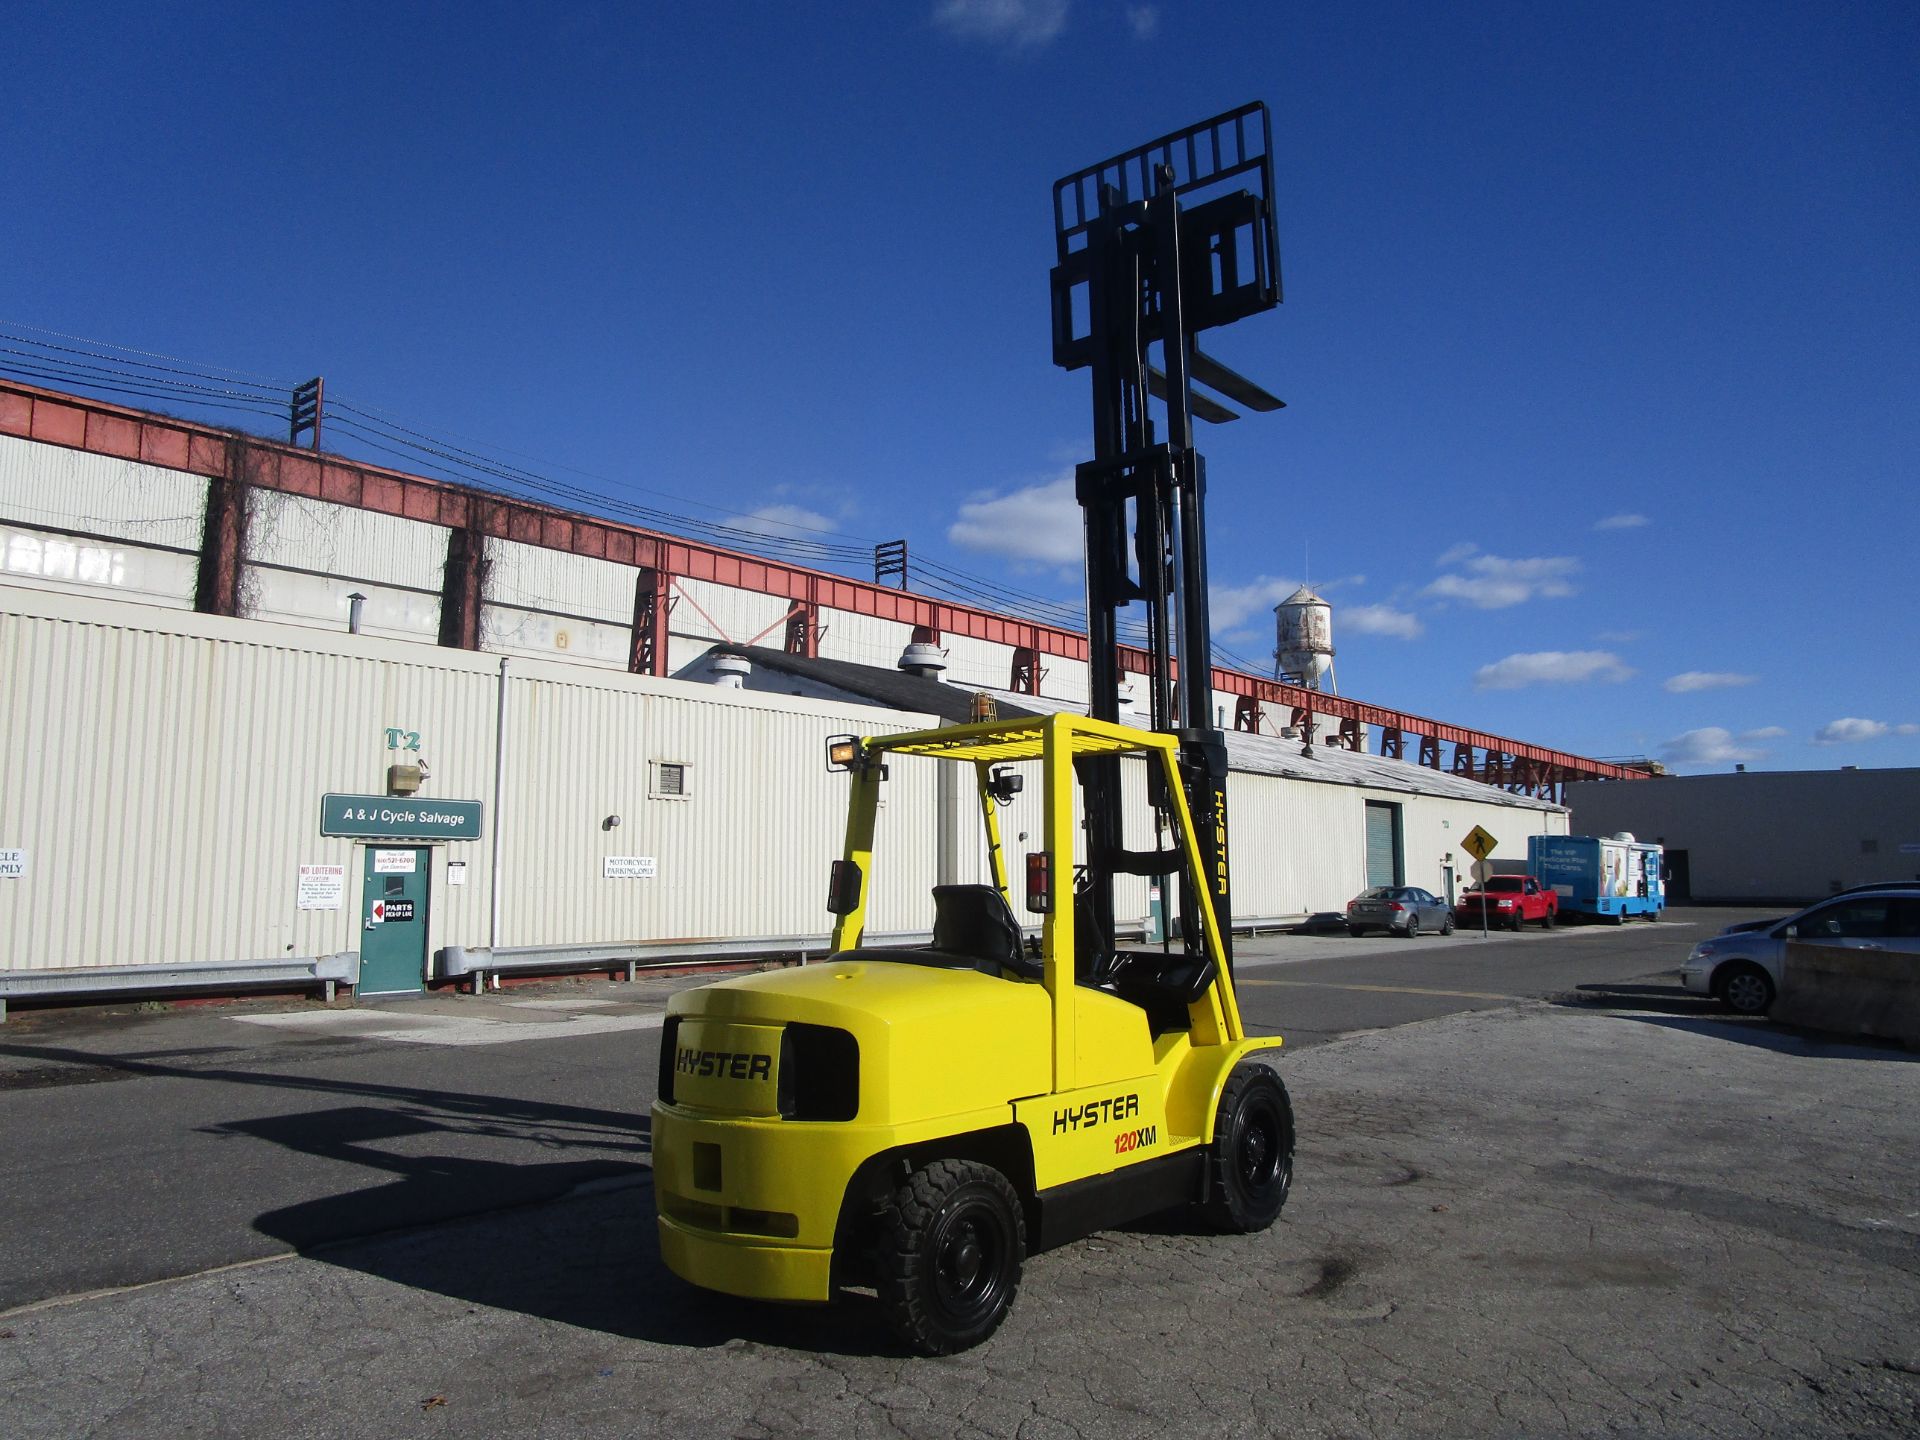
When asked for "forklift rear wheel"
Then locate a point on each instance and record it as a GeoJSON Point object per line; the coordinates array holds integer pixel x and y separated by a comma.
{"type": "Point", "coordinates": [1251, 1161]}
{"type": "Point", "coordinates": [950, 1249]}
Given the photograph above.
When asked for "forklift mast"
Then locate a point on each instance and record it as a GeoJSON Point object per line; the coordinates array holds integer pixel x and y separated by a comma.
{"type": "Point", "coordinates": [1154, 246]}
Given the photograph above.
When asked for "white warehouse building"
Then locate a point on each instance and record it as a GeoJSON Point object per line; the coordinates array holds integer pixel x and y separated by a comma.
{"type": "Point", "coordinates": [212, 781]}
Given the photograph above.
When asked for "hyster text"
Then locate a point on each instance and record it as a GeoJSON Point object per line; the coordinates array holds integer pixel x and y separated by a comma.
{"type": "Point", "coordinates": [1095, 1113]}
{"type": "Point", "coordinates": [728, 1064]}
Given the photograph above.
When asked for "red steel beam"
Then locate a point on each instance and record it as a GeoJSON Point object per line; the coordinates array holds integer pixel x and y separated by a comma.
{"type": "Point", "coordinates": [81, 423]}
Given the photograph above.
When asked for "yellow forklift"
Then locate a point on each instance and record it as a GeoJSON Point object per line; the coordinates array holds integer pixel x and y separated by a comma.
{"type": "Point", "coordinates": [919, 1119]}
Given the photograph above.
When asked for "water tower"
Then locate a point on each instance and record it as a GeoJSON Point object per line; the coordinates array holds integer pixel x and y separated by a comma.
{"type": "Point", "coordinates": [1303, 634]}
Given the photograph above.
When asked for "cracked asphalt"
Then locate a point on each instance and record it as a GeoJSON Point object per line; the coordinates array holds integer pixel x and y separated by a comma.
{"type": "Point", "coordinates": [1537, 1219]}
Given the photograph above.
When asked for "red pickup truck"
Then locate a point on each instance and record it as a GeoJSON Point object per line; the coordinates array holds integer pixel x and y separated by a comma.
{"type": "Point", "coordinates": [1509, 900]}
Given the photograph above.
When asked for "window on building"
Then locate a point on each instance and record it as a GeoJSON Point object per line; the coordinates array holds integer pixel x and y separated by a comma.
{"type": "Point", "coordinates": [670, 780]}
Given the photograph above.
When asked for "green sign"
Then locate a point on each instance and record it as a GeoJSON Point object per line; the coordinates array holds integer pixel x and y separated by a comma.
{"type": "Point", "coordinates": [399, 817]}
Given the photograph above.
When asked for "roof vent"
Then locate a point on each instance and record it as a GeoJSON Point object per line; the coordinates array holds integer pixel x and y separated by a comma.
{"type": "Point", "coordinates": [730, 671]}
{"type": "Point", "coordinates": [1625, 837]}
{"type": "Point", "coordinates": [923, 659]}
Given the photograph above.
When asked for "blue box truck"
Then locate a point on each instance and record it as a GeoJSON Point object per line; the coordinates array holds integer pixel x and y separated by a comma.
{"type": "Point", "coordinates": [1611, 877]}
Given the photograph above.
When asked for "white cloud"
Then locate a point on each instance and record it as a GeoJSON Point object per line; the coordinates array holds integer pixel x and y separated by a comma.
{"type": "Point", "coordinates": [1765, 732]}
{"type": "Point", "coordinates": [1849, 730]}
{"type": "Point", "coordinates": [1455, 555]}
{"type": "Point", "coordinates": [1907, 728]}
{"type": "Point", "coordinates": [1229, 605]}
{"type": "Point", "coordinates": [1018, 24]}
{"type": "Point", "coordinates": [1040, 525]}
{"type": "Point", "coordinates": [1710, 745]}
{"type": "Point", "coordinates": [782, 520]}
{"type": "Point", "coordinates": [1622, 522]}
{"type": "Point", "coordinates": [1550, 667]}
{"type": "Point", "coordinates": [1688, 681]}
{"type": "Point", "coordinates": [1143, 20]}
{"type": "Point", "coordinates": [1493, 582]}
{"type": "Point", "coordinates": [1379, 620]}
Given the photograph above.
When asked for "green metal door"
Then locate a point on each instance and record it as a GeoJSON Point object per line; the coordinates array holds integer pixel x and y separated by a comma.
{"type": "Point", "coordinates": [393, 919]}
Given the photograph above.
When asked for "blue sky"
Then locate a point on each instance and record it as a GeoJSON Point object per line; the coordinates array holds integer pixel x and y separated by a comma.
{"type": "Point", "coordinates": [1601, 342]}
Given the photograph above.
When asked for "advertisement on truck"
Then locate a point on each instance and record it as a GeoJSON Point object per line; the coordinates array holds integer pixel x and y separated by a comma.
{"type": "Point", "coordinates": [1611, 877]}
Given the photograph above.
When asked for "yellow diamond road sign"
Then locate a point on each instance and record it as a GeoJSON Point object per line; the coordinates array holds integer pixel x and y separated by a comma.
{"type": "Point", "coordinates": [1479, 844]}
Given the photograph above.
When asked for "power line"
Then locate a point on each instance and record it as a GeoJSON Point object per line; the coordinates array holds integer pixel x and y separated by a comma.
{"type": "Point", "coordinates": [102, 366]}
{"type": "Point", "coordinates": [212, 372]}
{"type": "Point", "coordinates": [373, 412]}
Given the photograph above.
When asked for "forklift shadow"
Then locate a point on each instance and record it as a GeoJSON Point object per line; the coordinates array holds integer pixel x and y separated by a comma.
{"type": "Point", "coordinates": [570, 1241]}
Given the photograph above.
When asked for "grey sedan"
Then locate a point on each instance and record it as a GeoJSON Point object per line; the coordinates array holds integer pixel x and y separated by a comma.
{"type": "Point", "coordinates": [1399, 910]}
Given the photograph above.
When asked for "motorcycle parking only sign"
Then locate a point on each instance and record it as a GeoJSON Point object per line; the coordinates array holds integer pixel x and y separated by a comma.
{"type": "Point", "coordinates": [13, 864]}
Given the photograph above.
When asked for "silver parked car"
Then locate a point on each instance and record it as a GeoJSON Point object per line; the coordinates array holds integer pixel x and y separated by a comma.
{"type": "Point", "coordinates": [1399, 910]}
{"type": "Point", "coordinates": [1741, 965]}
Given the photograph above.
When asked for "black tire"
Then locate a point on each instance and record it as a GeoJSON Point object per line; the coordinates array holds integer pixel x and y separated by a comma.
{"type": "Point", "coordinates": [1546, 921]}
{"type": "Point", "coordinates": [1744, 989]}
{"type": "Point", "coordinates": [1413, 927]}
{"type": "Point", "coordinates": [1356, 931]}
{"type": "Point", "coordinates": [1446, 925]}
{"type": "Point", "coordinates": [1250, 1163]}
{"type": "Point", "coordinates": [951, 1244]}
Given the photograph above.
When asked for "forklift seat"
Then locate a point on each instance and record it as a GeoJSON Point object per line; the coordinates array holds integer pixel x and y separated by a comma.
{"type": "Point", "coordinates": [973, 929]}
{"type": "Point", "coordinates": [975, 921]}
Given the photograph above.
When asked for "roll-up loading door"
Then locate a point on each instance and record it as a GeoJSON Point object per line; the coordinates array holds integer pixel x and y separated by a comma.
{"type": "Point", "coordinates": [1383, 844]}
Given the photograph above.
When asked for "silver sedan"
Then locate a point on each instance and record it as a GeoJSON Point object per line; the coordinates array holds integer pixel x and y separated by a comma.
{"type": "Point", "coordinates": [1399, 910]}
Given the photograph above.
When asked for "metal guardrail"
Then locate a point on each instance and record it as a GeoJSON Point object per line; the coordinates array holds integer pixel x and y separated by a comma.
{"type": "Point", "coordinates": [1256, 924]}
{"type": "Point", "coordinates": [327, 971]}
{"type": "Point", "coordinates": [475, 963]}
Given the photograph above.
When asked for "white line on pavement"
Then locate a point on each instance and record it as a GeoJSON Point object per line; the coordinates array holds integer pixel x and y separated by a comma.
{"type": "Point", "coordinates": [449, 1029]}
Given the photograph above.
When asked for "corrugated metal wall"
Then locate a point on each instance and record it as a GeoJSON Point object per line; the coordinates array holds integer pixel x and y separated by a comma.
{"type": "Point", "coordinates": [306, 557]}
{"type": "Point", "coordinates": [744, 851]}
{"type": "Point", "coordinates": [47, 485]}
{"type": "Point", "coordinates": [1295, 847]}
{"type": "Point", "coordinates": [165, 774]}
{"type": "Point", "coordinates": [70, 508]}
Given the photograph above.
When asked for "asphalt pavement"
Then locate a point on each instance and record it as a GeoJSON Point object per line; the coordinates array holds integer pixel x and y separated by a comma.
{"type": "Point", "coordinates": [1540, 1191]}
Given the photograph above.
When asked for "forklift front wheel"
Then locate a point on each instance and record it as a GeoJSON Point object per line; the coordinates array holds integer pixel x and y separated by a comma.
{"type": "Point", "coordinates": [950, 1249]}
{"type": "Point", "coordinates": [1251, 1159]}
